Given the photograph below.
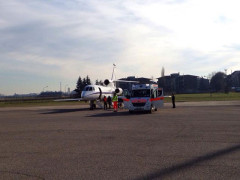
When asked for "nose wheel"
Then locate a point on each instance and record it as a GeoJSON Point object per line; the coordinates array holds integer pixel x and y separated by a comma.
{"type": "Point", "coordinates": [92, 105]}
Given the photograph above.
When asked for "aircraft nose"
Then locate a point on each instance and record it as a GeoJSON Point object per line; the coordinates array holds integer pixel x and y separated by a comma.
{"type": "Point", "coordinates": [83, 94]}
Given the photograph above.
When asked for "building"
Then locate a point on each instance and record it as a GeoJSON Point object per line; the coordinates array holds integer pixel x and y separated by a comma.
{"type": "Point", "coordinates": [183, 84]}
{"type": "Point", "coordinates": [234, 80]}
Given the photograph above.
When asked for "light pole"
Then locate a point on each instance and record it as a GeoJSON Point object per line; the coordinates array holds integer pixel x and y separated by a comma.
{"type": "Point", "coordinates": [65, 87]}
{"type": "Point", "coordinates": [44, 88]}
{"type": "Point", "coordinates": [114, 66]}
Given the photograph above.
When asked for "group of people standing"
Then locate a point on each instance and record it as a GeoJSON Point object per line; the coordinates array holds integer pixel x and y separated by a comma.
{"type": "Point", "coordinates": [108, 101]}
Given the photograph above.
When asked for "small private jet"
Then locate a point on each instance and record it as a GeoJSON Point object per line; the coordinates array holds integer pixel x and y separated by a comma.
{"type": "Point", "coordinates": [95, 93]}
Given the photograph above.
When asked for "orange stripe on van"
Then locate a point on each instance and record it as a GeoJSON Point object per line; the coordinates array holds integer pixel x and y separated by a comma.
{"type": "Point", "coordinates": [157, 99]}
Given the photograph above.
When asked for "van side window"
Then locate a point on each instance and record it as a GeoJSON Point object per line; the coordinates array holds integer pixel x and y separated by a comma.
{"type": "Point", "coordinates": [159, 92]}
{"type": "Point", "coordinates": [155, 93]}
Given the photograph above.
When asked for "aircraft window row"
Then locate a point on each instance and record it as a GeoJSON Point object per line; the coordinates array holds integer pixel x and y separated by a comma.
{"type": "Point", "coordinates": [89, 89]}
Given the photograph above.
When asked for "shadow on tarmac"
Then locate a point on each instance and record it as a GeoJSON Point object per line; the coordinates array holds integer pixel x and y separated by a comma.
{"type": "Point", "coordinates": [185, 165]}
{"type": "Point", "coordinates": [110, 113]}
{"type": "Point", "coordinates": [57, 111]}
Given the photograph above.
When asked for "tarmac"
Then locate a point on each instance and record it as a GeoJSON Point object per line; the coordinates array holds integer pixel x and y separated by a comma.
{"type": "Point", "coordinates": [193, 141]}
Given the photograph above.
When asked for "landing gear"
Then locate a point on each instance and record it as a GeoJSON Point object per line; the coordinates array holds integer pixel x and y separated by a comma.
{"type": "Point", "coordinates": [92, 105]}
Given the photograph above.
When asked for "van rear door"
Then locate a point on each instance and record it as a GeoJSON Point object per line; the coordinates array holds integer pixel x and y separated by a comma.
{"type": "Point", "coordinates": [157, 98]}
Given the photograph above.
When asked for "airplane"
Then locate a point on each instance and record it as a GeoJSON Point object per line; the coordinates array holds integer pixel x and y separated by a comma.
{"type": "Point", "coordinates": [96, 93]}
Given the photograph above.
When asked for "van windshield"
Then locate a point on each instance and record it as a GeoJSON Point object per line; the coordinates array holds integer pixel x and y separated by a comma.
{"type": "Point", "coordinates": [141, 93]}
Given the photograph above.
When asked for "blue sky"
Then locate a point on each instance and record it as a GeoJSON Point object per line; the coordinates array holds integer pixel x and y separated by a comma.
{"type": "Point", "coordinates": [43, 43]}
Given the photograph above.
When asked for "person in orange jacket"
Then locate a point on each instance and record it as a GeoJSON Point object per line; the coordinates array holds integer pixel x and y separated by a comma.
{"type": "Point", "coordinates": [115, 102]}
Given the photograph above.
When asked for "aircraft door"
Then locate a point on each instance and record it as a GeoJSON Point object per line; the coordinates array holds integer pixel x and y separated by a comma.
{"type": "Point", "coordinates": [100, 95]}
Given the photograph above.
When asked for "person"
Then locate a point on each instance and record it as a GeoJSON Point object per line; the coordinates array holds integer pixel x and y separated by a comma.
{"type": "Point", "coordinates": [109, 100]}
{"type": "Point", "coordinates": [120, 102]}
{"type": "Point", "coordinates": [105, 102]}
{"type": "Point", "coordinates": [115, 102]}
{"type": "Point", "coordinates": [173, 101]}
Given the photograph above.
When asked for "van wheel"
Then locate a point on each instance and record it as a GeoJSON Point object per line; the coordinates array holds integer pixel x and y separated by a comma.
{"type": "Point", "coordinates": [155, 109]}
{"type": "Point", "coordinates": [151, 109]}
{"type": "Point", "coordinates": [130, 111]}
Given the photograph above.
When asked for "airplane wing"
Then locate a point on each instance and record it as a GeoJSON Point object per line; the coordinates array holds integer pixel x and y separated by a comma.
{"type": "Point", "coordinates": [73, 99]}
{"type": "Point", "coordinates": [118, 80]}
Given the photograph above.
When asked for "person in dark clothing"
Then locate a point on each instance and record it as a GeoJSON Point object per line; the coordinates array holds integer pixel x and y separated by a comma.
{"type": "Point", "coordinates": [105, 102]}
{"type": "Point", "coordinates": [173, 101]}
{"type": "Point", "coordinates": [109, 100]}
{"type": "Point", "coordinates": [120, 102]}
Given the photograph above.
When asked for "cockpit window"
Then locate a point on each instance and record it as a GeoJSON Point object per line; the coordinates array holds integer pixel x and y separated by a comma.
{"type": "Point", "coordinates": [86, 88]}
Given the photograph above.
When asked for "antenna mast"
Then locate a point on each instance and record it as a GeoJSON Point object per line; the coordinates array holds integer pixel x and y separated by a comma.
{"type": "Point", "coordinates": [114, 65]}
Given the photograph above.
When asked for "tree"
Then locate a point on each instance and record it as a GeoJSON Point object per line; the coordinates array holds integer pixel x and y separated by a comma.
{"type": "Point", "coordinates": [97, 83]}
{"type": "Point", "coordinates": [101, 83]}
{"type": "Point", "coordinates": [218, 82]}
{"type": "Point", "coordinates": [79, 85]}
{"type": "Point", "coordinates": [88, 81]}
{"type": "Point", "coordinates": [84, 82]}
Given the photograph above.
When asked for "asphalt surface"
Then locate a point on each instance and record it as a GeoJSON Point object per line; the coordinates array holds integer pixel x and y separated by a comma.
{"type": "Point", "coordinates": [193, 141]}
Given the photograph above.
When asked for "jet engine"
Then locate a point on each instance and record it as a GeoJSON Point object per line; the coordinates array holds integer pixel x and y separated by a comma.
{"type": "Point", "coordinates": [119, 91]}
{"type": "Point", "coordinates": [106, 82]}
